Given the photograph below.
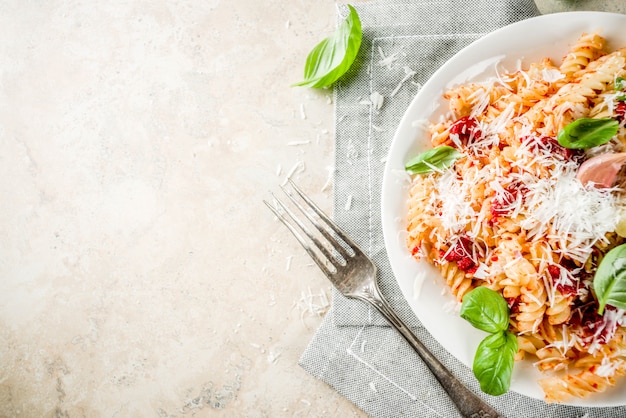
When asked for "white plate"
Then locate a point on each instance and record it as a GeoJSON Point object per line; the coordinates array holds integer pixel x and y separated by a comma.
{"type": "Point", "coordinates": [528, 41]}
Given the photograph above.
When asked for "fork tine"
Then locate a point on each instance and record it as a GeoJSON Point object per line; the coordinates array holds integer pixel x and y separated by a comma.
{"type": "Point", "coordinates": [318, 244]}
{"type": "Point", "coordinates": [305, 244]}
{"type": "Point", "coordinates": [351, 244]}
{"type": "Point", "coordinates": [331, 240]}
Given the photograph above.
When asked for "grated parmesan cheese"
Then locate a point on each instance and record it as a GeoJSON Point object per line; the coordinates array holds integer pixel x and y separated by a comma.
{"type": "Point", "coordinates": [298, 167]}
{"type": "Point", "coordinates": [606, 329]}
{"type": "Point", "coordinates": [482, 272]}
{"type": "Point", "coordinates": [377, 100]}
{"type": "Point", "coordinates": [408, 74]}
{"type": "Point", "coordinates": [551, 75]}
{"type": "Point", "coordinates": [329, 178]}
{"type": "Point", "coordinates": [312, 304]}
{"type": "Point", "coordinates": [273, 357]}
{"type": "Point", "coordinates": [348, 205]}
{"type": "Point", "coordinates": [607, 367]}
{"type": "Point", "coordinates": [387, 61]}
{"type": "Point", "coordinates": [289, 258]}
{"type": "Point", "coordinates": [297, 143]}
{"type": "Point", "coordinates": [455, 201]}
{"type": "Point", "coordinates": [422, 124]}
{"type": "Point", "coordinates": [418, 283]}
{"type": "Point", "coordinates": [577, 216]}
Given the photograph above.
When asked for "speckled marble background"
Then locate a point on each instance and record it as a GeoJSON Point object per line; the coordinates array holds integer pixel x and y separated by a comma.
{"type": "Point", "coordinates": [140, 273]}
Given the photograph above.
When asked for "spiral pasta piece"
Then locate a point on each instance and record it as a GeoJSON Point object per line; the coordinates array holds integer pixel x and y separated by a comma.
{"type": "Point", "coordinates": [579, 385]}
{"type": "Point", "coordinates": [588, 48]}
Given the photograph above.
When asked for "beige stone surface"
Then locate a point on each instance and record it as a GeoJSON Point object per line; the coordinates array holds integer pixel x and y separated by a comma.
{"type": "Point", "coordinates": [140, 273]}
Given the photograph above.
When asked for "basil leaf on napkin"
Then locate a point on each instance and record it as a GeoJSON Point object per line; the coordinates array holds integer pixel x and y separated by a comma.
{"type": "Point", "coordinates": [331, 58]}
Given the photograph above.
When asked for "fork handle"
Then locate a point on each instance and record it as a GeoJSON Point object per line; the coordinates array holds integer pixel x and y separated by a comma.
{"type": "Point", "coordinates": [466, 401]}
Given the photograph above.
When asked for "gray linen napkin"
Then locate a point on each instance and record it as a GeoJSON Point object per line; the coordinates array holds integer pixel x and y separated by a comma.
{"type": "Point", "coordinates": [354, 351]}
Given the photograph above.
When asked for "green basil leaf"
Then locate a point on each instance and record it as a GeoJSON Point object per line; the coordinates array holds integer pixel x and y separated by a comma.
{"type": "Point", "coordinates": [619, 84]}
{"type": "Point", "coordinates": [486, 310]}
{"type": "Point", "coordinates": [438, 158]}
{"type": "Point", "coordinates": [493, 362]}
{"type": "Point", "coordinates": [609, 282]}
{"type": "Point", "coordinates": [331, 58]}
{"type": "Point", "coordinates": [587, 133]}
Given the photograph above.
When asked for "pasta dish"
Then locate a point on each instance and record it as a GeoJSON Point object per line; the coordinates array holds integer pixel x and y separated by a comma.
{"type": "Point", "coordinates": [504, 204]}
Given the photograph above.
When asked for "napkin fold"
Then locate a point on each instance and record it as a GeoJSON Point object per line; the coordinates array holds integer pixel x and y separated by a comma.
{"type": "Point", "coordinates": [354, 350]}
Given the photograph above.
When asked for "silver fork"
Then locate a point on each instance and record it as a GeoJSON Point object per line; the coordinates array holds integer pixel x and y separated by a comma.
{"type": "Point", "coordinates": [352, 272]}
